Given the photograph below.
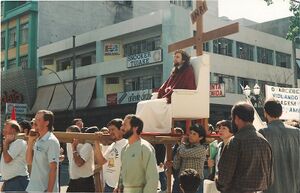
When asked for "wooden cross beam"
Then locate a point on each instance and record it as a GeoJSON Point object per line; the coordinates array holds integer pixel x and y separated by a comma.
{"type": "Point", "coordinates": [201, 37]}
{"type": "Point", "coordinates": [67, 137]}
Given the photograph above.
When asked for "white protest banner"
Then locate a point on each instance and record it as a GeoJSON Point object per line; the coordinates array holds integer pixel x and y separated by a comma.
{"type": "Point", "coordinates": [289, 99]}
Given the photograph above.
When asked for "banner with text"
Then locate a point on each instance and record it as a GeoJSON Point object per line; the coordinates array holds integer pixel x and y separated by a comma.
{"type": "Point", "coordinates": [217, 89]}
{"type": "Point", "coordinates": [134, 96]}
{"type": "Point", "coordinates": [144, 58]}
{"type": "Point", "coordinates": [289, 99]}
{"type": "Point", "coordinates": [20, 108]}
{"type": "Point", "coordinates": [111, 49]}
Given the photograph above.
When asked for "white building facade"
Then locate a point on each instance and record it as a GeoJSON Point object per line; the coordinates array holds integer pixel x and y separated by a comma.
{"type": "Point", "coordinates": [121, 64]}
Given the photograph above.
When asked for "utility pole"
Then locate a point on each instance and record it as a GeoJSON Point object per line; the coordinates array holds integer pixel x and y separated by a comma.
{"type": "Point", "coordinates": [74, 79]}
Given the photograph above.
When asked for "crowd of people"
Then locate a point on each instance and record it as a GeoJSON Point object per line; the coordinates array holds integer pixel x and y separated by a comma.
{"type": "Point", "coordinates": [245, 160]}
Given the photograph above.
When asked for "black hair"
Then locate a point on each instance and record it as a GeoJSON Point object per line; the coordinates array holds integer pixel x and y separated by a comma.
{"type": "Point", "coordinates": [244, 111]}
{"type": "Point", "coordinates": [273, 108]}
{"type": "Point", "coordinates": [115, 122]}
{"type": "Point", "coordinates": [225, 123]}
{"type": "Point", "coordinates": [189, 180]}
{"type": "Point", "coordinates": [74, 129]}
{"type": "Point", "coordinates": [135, 122]}
{"type": "Point", "coordinates": [200, 130]}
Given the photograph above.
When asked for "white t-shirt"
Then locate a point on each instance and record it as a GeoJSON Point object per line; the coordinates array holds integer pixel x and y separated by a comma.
{"type": "Point", "coordinates": [86, 152]}
{"type": "Point", "coordinates": [111, 170]}
{"type": "Point", "coordinates": [18, 165]}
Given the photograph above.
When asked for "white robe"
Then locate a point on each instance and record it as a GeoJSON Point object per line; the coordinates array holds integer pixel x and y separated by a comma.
{"type": "Point", "coordinates": [156, 115]}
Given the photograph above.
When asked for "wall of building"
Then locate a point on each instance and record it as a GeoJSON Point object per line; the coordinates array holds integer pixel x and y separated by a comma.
{"type": "Point", "coordinates": [78, 17]}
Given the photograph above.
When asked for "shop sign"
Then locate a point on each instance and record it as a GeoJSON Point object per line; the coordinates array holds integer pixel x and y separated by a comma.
{"type": "Point", "coordinates": [217, 89]}
{"type": "Point", "coordinates": [111, 99]}
{"type": "Point", "coordinates": [134, 96]}
{"type": "Point", "coordinates": [144, 58]}
{"type": "Point", "coordinates": [111, 49]}
{"type": "Point", "coordinates": [289, 99]}
{"type": "Point", "coordinates": [20, 108]}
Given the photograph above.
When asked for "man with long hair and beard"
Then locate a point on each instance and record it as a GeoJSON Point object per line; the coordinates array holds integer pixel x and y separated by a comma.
{"type": "Point", "coordinates": [138, 170]}
{"type": "Point", "coordinates": [156, 113]}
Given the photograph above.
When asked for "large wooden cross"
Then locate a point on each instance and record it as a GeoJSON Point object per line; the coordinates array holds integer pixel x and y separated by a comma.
{"type": "Point", "coordinates": [198, 40]}
{"type": "Point", "coordinates": [201, 37]}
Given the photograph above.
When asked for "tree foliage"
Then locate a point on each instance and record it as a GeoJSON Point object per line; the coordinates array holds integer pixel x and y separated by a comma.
{"type": "Point", "coordinates": [294, 28]}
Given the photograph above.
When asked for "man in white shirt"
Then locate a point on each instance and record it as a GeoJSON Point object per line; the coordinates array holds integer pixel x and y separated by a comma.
{"type": "Point", "coordinates": [111, 160]}
{"type": "Point", "coordinates": [13, 163]}
{"type": "Point", "coordinates": [81, 165]}
{"type": "Point", "coordinates": [43, 154]}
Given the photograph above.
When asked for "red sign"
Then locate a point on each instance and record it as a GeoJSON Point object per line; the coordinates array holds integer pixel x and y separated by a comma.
{"type": "Point", "coordinates": [111, 99]}
{"type": "Point", "coordinates": [217, 90]}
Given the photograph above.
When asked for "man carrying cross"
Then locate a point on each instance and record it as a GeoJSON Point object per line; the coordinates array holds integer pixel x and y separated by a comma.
{"type": "Point", "coordinates": [156, 114]}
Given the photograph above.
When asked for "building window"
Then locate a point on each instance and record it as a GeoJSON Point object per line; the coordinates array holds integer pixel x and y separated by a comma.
{"type": "Point", "coordinates": [146, 82]}
{"type": "Point", "coordinates": [223, 46]}
{"type": "Point", "coordinates": [228, 81]}
{"type": "Point", "coordinates": [3, 40]}
{"type": "Point", "coordinates": [206, 46]}
{"type": "Point", "coordinates": [284, 85]}
{"type": "Point", "coordinates": [262, 84]}
{"type": "Point", "coordinates": [63, 64]}
{"type": "Point", "coordinates": [182, 3]}
{"type": "Point", "coordinates": [11, 64]}
{"type": "Point", "coordinates": [131, 84]}
{"type": "Point", "coordinates": [24, 33]}
{"type": "Point", "coordinates": [48, 61]}
{"type": "Point", "coordinates": [24, 62]}
{"type": "Point", "coordinates": [142, 83]}
{"type": "Point", "coordinates": [87, 60]}
{"type": "Point", "coordinates": [12, 38]}
{"type": "Point", "coordinates": [244, 51]}
{"type": "Point", "coordinates": [243, 82]}
{"type": "Point", "coordinates": [264, 55]}
{"type": "Point", "coordinates": [283, 60]}
{"type": "Point", "coordinates": [112, 80]}
{"type": "Point", "coordinates": [142, 46]}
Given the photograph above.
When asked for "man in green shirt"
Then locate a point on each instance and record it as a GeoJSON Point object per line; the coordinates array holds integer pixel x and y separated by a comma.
{"type": "Point", "coordinates": [138, 171]}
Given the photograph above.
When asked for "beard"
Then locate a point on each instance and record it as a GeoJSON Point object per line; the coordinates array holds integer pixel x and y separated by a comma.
{"type": "Point", "coordinates": [128, 134]}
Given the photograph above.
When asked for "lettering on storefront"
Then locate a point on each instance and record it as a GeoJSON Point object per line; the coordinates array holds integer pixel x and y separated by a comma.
{"type": "Point", "coordinates": [129, 97]}
{"type": "Point", "coordinates": [144, 58]}
{"type": "Point", "coordinates": [217, 90]}
{"type": "Point", "coordinates": [12, 96]}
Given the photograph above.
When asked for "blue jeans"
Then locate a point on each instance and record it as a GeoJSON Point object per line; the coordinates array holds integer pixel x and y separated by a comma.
{"type": "Point", "coordinates": [108, 189]}
{"type": "Point", "coordinates": [200, 189]}
{"type": "Point", "coordinates": [18, 183]}
{"type": "Point", "coordinates": [176, 187]}
{"type": "Point", "coordinates": [163, 181]}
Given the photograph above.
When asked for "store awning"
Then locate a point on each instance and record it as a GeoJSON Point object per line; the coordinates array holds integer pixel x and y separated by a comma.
{"type": "Point", "coordinates": [84, 93]}
{"type": "Point", "coordinates": [61, 99]}
{"type": "Point", "coordinates": [43, 97]}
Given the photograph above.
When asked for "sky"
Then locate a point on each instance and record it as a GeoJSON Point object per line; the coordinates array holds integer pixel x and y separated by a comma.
{"type": "Point", "coordinates": [255, 10]}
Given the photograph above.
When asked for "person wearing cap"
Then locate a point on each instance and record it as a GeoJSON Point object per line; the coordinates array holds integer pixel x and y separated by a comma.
{"type": "Point", "coordinates": [192, 153]}
{"type": "Point", "coordinates": [226, 132]}
{"type": "Point", "coordinates": [285, 143]}
{"type": "Point", "coordinates": [13, 164]}
{"type": "Point", "coordinates": [81, 163]}
{"type": "Point", "coordinates": [246, 163]}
